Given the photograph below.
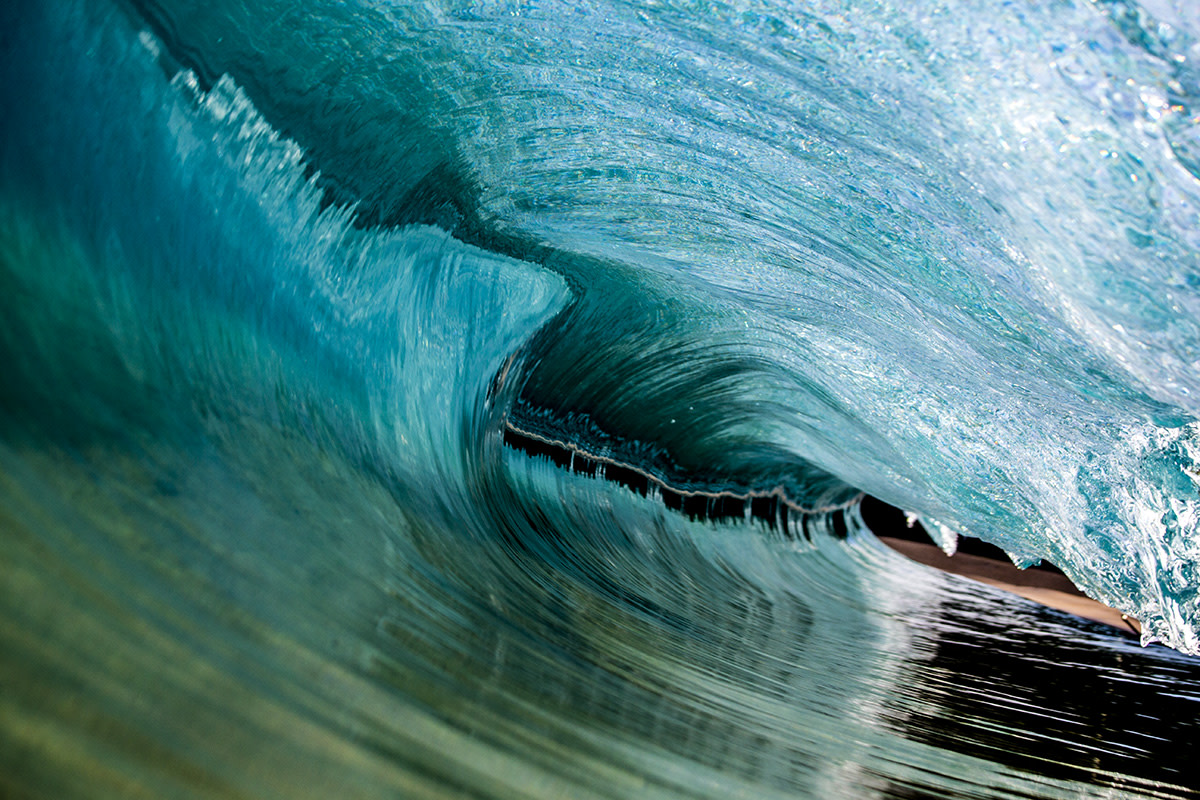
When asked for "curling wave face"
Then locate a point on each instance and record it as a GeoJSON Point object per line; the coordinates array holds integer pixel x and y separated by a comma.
{"type": "Point", "coordinates": [944, 258]}
{"type": "Point", "coordinates": [275, 283]}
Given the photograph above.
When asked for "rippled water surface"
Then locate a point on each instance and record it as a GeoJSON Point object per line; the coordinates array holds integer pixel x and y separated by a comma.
{"type": "Point", "coordinates": [286, 292]}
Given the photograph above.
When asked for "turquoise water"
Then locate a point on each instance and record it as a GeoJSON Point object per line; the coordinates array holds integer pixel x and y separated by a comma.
{"type": "Point", "coordinates": [276, 281]}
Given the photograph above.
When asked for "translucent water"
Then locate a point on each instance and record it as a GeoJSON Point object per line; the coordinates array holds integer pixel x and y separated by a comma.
{"type": "Point", "coordinates": [274, 281]}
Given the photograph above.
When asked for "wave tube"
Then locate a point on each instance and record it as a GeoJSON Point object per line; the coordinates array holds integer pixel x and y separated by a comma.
{"type": "Point", "coordinates": [283, 290]}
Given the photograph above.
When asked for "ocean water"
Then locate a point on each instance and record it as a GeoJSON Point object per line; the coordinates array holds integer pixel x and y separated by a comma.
{"type": "Point", "coordinates": [283, 288]}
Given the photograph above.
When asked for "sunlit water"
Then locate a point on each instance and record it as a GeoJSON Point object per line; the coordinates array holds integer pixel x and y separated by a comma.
{"type": "Point", "coordinates": [274, 281]}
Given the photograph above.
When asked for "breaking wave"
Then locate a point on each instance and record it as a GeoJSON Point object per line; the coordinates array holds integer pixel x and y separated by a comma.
{"type": "Point", "coordinates": [473, 400]}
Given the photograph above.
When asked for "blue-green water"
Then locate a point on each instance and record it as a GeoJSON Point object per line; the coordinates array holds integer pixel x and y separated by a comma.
{"type": "Point", "coordinates": [274, 281]}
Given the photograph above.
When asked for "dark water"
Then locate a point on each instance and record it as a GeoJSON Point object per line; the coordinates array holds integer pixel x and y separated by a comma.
{"type": "Point", "coordinates": [290, 298]}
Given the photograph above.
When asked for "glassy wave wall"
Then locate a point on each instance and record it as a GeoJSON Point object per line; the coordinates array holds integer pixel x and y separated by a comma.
{"type": "Point", "coordinates": [290, 295]}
